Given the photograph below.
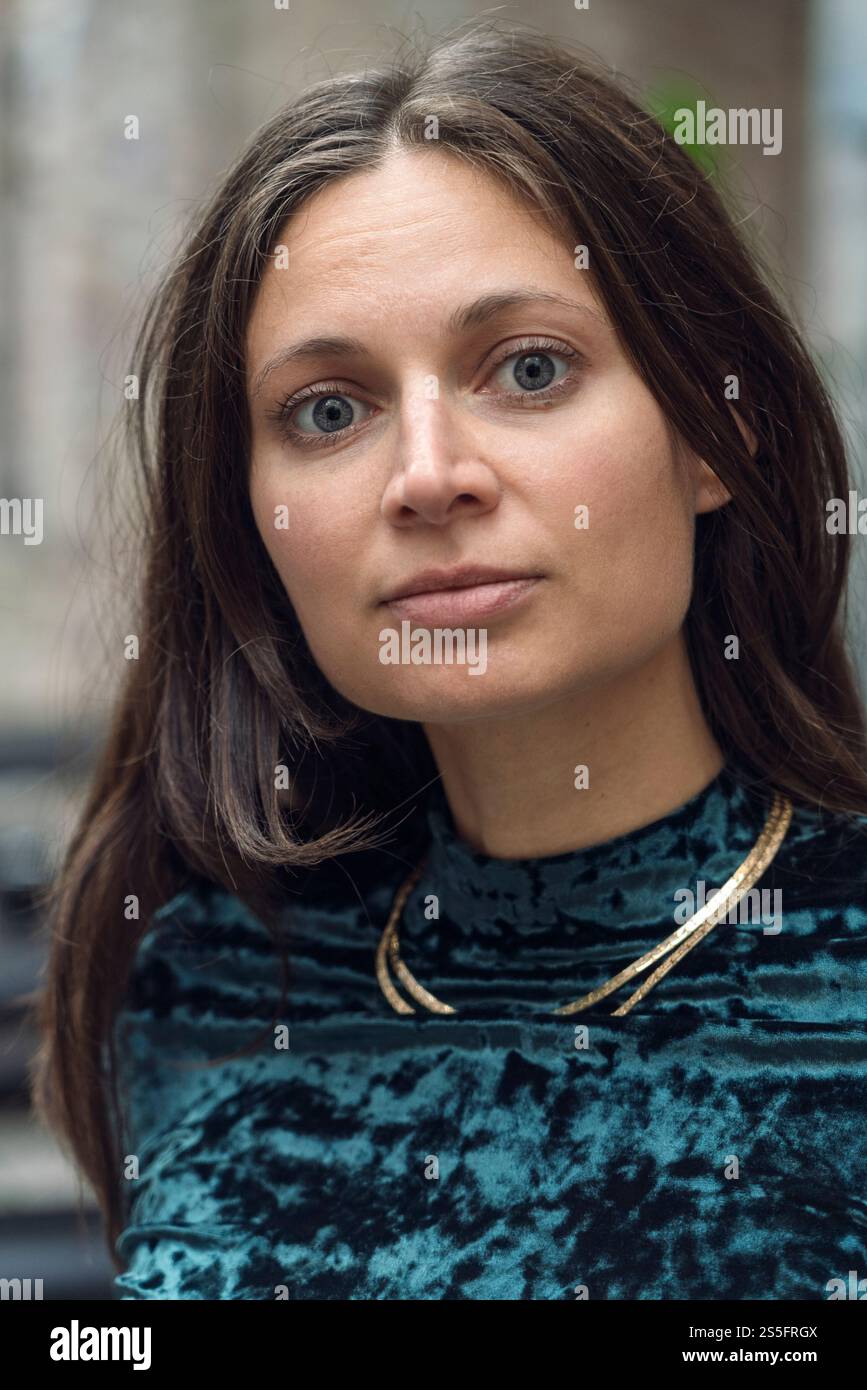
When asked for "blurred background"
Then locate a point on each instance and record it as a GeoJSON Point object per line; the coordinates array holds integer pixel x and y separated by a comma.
{"type": "Point", "coordinates": [89, 221]}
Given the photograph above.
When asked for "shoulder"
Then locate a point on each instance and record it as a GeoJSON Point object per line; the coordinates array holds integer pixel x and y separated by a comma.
{"type": "Point", "coordinates": [824, 855]}
{"type": "Point", "coordinates": [193, 934]}
{"type": "Point", "coordinates": [206, 929]}
{"type": "Point", "coordinates": [204, 981]}
{"type": "Point", "coordinates": [192, 962]}
{"type": "Point", "coordinates": [207, 955]}
{"type": "Point", "coordinates": [818, 880]}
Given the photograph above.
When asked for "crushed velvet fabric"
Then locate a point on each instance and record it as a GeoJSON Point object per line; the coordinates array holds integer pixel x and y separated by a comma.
{"type": "Point", "coordinates": [710, 1144]}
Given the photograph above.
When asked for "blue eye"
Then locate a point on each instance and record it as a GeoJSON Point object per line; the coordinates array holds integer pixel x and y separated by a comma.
{"type": "Point", "coordinates": [530, 371]}
{"type": "Point", "coordinates": [327, 413]}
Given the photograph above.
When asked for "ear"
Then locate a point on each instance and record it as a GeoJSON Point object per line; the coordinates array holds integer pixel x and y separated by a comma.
{"type": "Point", "coordinates": [710, 492]}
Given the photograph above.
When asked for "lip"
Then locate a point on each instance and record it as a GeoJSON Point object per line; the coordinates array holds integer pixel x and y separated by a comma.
{"type": "Point", "coordinates": [458, 577]}
{"type": "Point", "coordinates": [464, 604]}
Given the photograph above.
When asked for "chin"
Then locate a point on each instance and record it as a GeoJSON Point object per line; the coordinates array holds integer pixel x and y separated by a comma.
{"type": "Point", "coordinates": [452, 695]}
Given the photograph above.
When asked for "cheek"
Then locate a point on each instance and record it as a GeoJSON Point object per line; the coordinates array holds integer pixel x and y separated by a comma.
{"type": "Point", "coordinates": [308, 534]}
{"type": "Point", "coordinates": [630, 567]}
{"type": "Point", "coordinates": [315, 547]}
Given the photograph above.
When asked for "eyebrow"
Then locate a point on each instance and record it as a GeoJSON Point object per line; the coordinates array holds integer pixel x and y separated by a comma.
{"type": "Point", "coordinates": [467, 316]}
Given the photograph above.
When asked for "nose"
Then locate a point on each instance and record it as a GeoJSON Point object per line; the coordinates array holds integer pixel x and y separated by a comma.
{"type": "Point", "coordinates": [439, 475]}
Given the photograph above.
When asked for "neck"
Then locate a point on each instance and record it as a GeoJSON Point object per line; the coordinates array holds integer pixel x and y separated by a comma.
{"type": "Point", "coordinates": [510, 781]}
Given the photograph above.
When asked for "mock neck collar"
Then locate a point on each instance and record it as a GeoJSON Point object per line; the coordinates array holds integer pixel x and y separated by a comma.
{"type": "Point", "coordinates": [713, 821]}
{"type": "Point", "coordinates": [603, 905]}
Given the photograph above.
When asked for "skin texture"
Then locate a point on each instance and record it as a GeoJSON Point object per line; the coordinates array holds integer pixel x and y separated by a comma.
{"type": "Point", "coordinates": [591, 668]}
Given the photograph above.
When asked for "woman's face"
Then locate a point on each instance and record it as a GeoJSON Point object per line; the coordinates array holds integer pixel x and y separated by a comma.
{"type": "Point", "coordinates": [482, 399]}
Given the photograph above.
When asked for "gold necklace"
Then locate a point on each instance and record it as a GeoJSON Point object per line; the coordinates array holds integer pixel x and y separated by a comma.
{"type": "Point", "coordinates": [682, 940]}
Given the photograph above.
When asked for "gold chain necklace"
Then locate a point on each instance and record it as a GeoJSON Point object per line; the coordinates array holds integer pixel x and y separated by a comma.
{"type": "Point", "coordinates": [682, 940]}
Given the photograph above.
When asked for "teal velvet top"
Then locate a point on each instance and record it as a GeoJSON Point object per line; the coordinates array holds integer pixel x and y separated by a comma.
{"type": "Point", "coordinates": [709, 1144]}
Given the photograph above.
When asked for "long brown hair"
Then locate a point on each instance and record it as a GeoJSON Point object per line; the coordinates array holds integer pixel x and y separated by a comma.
{"type": "Point", "coordinates": [225, 688]}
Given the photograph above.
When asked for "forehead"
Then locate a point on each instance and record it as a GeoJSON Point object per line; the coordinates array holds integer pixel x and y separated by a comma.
{"type": "Point", "coordinates": [413, 195]}
{"type": "Point", "coordinates": [416, 235]}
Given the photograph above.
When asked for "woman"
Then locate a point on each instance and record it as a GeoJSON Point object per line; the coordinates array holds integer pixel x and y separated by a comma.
{"type": "Point", "coordinates": [490, 667]}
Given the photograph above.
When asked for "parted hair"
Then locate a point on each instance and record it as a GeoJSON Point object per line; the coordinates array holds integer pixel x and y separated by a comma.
{"type": "Point", "coordinates": [225, 688]}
